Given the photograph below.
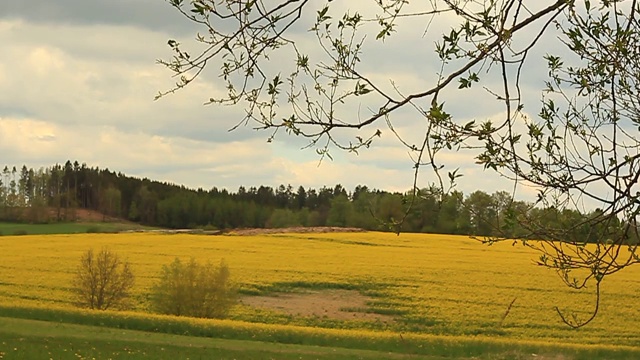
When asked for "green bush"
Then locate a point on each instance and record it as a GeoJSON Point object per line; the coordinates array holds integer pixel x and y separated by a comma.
{"type": "Point", "coordinates": [20, 232]}
{"type": "Point", "coordinates": [209, 227]}
{"type": "Point", "coordinates": [93, 230]}
{"type": "Point", "coordinates": [192, 289]}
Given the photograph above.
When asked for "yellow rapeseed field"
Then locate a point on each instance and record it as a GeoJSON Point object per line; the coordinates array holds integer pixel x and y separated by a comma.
{"type": "Point", "coordinates": [434, 284]}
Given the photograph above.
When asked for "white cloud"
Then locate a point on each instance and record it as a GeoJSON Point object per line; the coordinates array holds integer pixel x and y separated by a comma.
{"type": "Point", "coordinates": [41, 143]}
{"type": "Point", "coordinates": [29, 138]}
{"type": "Point", "coordinates": [65, 82]}
{"type": "Point", "coordinates": [45, 61]}
{"type": "Point", "coordinates": [76, 89]}
{"type": "Point", "coordinates": [348, 174]}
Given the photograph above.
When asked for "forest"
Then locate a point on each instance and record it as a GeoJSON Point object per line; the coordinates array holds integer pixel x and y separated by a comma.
{"type": "Point", "coordinates": [53, 194]}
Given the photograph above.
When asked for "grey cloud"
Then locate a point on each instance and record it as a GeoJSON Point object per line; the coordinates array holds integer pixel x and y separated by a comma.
{"type": "Point", "coordinates": [151, 14]}
{"type": "Point", "coordinates": [10, 110]}
{"type": "Point", "coordinates": [209, 133]}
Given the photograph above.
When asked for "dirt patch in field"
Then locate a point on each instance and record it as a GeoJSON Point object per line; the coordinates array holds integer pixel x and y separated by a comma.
{"type": "Point", "coordinates": [93, 216]}
{"type": "Point", "coordinates": [299, 229]}
{"type": "Point", "coordinates": [333, 304]}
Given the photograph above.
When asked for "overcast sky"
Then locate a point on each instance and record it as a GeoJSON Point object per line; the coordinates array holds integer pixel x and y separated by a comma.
{"type": "Point", "coordinates": [78, 80]}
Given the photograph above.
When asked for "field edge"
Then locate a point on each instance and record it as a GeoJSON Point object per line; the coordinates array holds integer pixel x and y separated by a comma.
{"type": "Point", "coordinates": [387, 342]}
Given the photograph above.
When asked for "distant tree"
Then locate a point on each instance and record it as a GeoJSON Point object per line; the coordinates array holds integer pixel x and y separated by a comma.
{"type": "Point", "coordinates": [359, 189]}
{"type": "Point", "coordinates": [39, 197]}
{"type": "Point", "coordinates": [133, 215]}
{"type": "Point", "coordinates": [283, 196]}
{"type": "Point", "coordinates": [102, 281]}
{"type": "Point", "coordinates": [340, 212]}
{"type": "Point", "coordinates": [22, 186]}
{"type": "Point", "coordinates": [30, 186]}
{"type": "Point", "coordinates": [67, 177]}
{"type": "Point", "coordinates": [483, 213]}
{"type": "Point", "coordinates": [424, 212]}
{"type": "Point", "coordinates": [194, 289]}
{"type": "Point", "coordinates": [76, 186]}
{"type": "Point", "coordinates": [5, 174]}
{"type": "Point", "coordinates": [6, 198]}
{"type": "Point", "coordinates": [13, 190]}
{"type": "Point", "coordinates": [452, 219]}
{"type": "Point", "coordinates": [302, 216]}
{"type": "Point", "coordinates": [282, 218]}
{"type": "Point", "coordinates": [147, 202]}
{"type": "Point", "coordinates": [3, 199]}
{"type": "Point", "coordinates": [502, 203]}
{"type": "Point", "coordinates": [315, 218]}
{"type": "Point", "coordinates": [388, 209]}
{"type": "Point", "coordinates": [110, 202]}
{"type": "Point", "coordinates": [265, 196]}
{"type": "Point", "coordinates": [363, 206]}
{"type": "Point", "coordinates": [54, 189]}
{"type": "Point", "coordinates": [301, 197]}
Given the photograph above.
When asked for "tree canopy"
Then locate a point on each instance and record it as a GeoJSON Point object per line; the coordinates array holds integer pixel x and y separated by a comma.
{"type": "Point", "coordinates": [579, 149]}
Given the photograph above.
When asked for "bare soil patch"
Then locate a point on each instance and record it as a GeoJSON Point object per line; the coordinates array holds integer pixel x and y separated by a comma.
{"type": "Point", "coordinates": [333, 304]}
{"type": "Point", "coordinates": [93, 216]}
{"type": "Point", "coordinates": [299, 229]}
{"type": "Point", "coordinates": [51, 213]}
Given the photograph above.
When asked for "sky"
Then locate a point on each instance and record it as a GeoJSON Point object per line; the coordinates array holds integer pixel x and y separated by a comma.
{"type": "Point", "coordinates": [78, 80]}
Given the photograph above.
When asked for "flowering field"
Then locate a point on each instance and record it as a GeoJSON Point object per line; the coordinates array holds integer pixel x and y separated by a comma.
{"type": "Point", "coordinates": [427, 284]}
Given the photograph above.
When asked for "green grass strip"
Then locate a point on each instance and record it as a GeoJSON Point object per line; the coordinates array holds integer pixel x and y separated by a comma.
{"type": "Point", "coordinates": [34, 339]}
{"type": "Point", "coordinates": [9, 229]}
{"type": "Point", "coordinates": [388, 342]}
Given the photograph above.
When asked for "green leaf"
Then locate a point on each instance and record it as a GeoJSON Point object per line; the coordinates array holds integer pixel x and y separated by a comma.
{"type": "Point", "coordinates": [322, 15]}
{"type": "Point", "coordinates": [361, 89]}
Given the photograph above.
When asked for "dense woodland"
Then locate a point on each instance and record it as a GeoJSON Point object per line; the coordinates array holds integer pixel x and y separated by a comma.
{"type": "Point", "coordinates": [55, 193]}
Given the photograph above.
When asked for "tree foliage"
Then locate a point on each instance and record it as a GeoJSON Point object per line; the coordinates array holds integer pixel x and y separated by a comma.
{"type": "Point", "coordinates": [580, 151]}
{"type": "Point", "coordinates": [102, 281]}
{"type": "Point", "coordinates": [170, 205]}
{"type": "Point", "coordinates": [193, 289]}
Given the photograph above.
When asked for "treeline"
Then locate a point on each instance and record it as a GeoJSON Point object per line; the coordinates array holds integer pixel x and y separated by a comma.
{"type": "Point", "coordinates": [57, 192]}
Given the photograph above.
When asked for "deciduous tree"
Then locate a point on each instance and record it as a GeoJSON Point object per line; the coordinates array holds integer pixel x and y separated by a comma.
{"type": "Point", "coordinates": [103, 280]}
{"type": "Point", "coordinates": [582, 148]}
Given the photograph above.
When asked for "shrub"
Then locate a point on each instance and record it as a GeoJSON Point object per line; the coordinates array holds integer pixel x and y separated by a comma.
{"type": "Point", "coordinates": [209, 227]}
{"type": "Point", "coordinates": [102, 281]}
{"type": "Point", "coordinates": [192, 289]}
{"type": "Point", "coordinates": [20, 232]}
{"type": "Point", "coordinates": [93, 230]}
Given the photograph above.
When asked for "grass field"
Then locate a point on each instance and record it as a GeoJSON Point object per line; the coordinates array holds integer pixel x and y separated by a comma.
{"type": "Point", "coordinates": [29, 339]}
{"type": "Point", "coordinates": [428, 287]}
{"type": "Point", "coordinates": [33, 339]}
{"type": "Point", "coordinates": [67, 228]}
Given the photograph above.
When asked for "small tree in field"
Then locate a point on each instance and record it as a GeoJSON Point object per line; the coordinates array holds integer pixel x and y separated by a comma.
{"type": "Point", "coordinates": [102, 280]}
{"type": "Point", "coordinates": [193, 289]}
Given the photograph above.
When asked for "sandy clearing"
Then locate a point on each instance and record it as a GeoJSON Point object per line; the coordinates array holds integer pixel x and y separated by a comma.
{"type": "Point", "coordinates": [334, 304]}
